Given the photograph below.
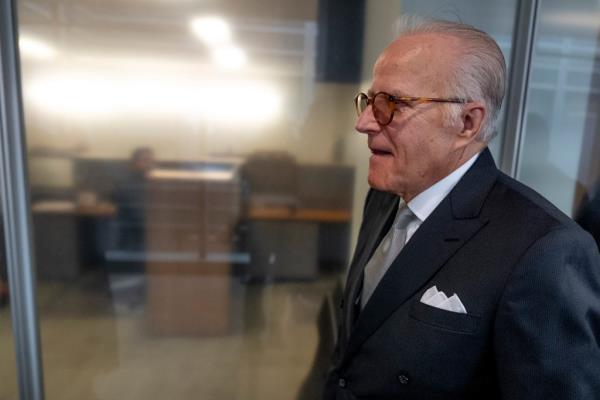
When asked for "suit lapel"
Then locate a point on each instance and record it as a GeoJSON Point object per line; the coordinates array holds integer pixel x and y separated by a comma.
{"type": "Point", "coordinates": [427, 251]}
{"type": "Point", "coordinates": [386, 208]}
{"type": "Point", "coordinates": [445, 231]}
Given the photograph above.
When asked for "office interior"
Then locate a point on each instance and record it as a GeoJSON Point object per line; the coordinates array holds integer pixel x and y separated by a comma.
{"type": "Point", "coordinates": [196, 182]}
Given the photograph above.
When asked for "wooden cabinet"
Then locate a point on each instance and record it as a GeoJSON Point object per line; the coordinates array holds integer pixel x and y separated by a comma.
{"type": "Point", "coordinates": [191, 217]}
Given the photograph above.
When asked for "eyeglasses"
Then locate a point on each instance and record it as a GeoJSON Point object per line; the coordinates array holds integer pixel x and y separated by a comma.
{"type": "Point", "coordinates": [384, 104]}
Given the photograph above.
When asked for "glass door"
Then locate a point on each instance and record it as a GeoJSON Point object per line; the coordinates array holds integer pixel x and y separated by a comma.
{"type": "Point", "coordinates": [191, 200]}
{"type": "Point", "coordinates": [197, 185]}
{"type": "Point", "coordinates": [559, 154]}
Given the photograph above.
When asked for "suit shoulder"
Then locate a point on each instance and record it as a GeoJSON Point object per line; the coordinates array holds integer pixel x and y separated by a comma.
{"type": "Point", "coordinates": [529, 207]}
{"type": "Point", "coordinates": [523, 224]}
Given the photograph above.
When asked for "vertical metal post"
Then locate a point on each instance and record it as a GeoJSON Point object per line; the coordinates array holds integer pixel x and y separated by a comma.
{"type": "Point", "coordinates": [516, 99]}
{"type": "Point", "coordinates": [15, 206]}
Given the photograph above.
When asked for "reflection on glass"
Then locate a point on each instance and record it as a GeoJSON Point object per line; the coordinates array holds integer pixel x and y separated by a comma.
{"type": "Point", "coordinates": [562, 138]}
{"type": "Point", "coordinates": [190, 198]}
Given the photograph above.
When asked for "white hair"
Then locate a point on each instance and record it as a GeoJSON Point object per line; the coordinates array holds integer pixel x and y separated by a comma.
{"type": "Point", "coordinates": [479, 74]}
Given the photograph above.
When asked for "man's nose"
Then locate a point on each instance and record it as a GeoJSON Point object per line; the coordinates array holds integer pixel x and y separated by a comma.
{"type": "Point", "coordinates": [366, 122]}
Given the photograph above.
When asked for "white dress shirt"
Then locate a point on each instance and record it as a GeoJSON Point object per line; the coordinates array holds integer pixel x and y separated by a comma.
{"type": "Point", "coordinates": [425, 202]}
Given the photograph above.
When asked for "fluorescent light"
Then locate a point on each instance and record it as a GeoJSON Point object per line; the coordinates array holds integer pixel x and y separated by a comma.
{"type": "Point", "coordinates": [35, 48]}
{"type": "Point", "coordinates": [214, 31]}
{"type": "Point", "coordinates": [96, 94]}
{"type": "Point", "coordinates": [60, 93]}
{"type": "Point", "coordinates": [230, 57]}
{"type": "Point", "coordinates": [246, 102]}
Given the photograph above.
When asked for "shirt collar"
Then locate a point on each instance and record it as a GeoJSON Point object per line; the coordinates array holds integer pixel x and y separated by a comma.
{"type": "Point", "coordinates": [425, 202]}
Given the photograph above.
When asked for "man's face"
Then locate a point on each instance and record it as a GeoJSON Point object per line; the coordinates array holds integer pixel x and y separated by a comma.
{"type": "Point", "coordinates": [417, 148]}
{"type": "Point", "coordinates": [144, 161]}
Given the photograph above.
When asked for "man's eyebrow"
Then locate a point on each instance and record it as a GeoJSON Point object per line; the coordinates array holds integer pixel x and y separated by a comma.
{"type": "Point", "coordinates": [395, 93]}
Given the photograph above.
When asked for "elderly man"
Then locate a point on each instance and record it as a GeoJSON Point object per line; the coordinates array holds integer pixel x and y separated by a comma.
{"type": "Point", "coordinates": [464, 284]}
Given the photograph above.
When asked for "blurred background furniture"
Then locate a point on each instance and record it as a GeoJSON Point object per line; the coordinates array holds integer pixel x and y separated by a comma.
{"type": "Point", "coordinates": [62, 230]}
{"type": "Point", "coordinates": [190, 222]}
{"type": "Point", "coordinates": [297, 216]}
{"type": "Point", "coordinates": [266, 218]}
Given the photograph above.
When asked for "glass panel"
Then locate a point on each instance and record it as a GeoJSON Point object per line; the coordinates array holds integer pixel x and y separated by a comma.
{"type": "Point", "coordinates": [197, 185]}
{"type": "Point", "coordinates": [8, 373]}
{"type": "Point", "coordinates": [559, 155]}
{"type": "Point", "coordinates": [191, 206]}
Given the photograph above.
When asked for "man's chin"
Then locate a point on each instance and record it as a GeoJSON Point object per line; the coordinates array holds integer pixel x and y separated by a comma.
{"type": "Point", "coordinates": [377, 184]}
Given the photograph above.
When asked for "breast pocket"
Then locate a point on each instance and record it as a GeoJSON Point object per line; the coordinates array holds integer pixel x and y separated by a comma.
{"type": "Point", "coordinates": [445, 320]}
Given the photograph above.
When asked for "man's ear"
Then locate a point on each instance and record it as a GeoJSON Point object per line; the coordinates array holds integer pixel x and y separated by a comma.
{"type": "Point", "coordinates": [471, 121]}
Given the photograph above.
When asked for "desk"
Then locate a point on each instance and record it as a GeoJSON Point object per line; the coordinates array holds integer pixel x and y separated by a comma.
{"type": "Point", "coordinates": [298, 214]}
{"type": "Point", "coordinates": [64, 237]}
{"type": "Point", "coordinates": [65, 207]}
{"type": "Point", "coordinates": [288, 243]}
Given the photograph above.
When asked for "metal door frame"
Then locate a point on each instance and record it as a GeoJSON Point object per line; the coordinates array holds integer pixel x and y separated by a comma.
{"type": "Point", "coordinates": [15, 206]}
{"type": "Point", "coordinates": [518, 85]}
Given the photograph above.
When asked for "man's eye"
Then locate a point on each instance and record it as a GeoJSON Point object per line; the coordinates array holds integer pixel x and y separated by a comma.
{"type": "Point", "coordinates": [402, 105]}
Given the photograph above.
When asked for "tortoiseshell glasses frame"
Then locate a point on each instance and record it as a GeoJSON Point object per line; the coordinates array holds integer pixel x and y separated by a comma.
{"type": "Point", "coordinates": [384, 104]}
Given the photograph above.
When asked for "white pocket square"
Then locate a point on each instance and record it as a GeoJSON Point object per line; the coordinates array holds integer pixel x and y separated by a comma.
{"type": "Point", "coordinates": [434, 298]}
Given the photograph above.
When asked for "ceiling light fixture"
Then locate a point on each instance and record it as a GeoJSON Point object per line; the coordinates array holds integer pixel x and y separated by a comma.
{"type": "Point", "coordinates": [214, 31]}
{"type": "Point", "coordinates": [34, 48]}
{"type": "Point", "coordinates": [230, 57]}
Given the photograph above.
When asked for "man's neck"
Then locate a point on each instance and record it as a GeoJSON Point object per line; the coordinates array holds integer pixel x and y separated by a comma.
{"type": "Point", "coordinates": [465, 155]}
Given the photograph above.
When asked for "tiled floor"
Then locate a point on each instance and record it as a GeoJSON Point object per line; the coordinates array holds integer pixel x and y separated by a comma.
{"type": "Point", "coordinates": [97, 346]}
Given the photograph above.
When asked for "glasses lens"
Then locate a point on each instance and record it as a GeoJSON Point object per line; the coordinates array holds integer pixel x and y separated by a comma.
{"type": "Point", "coordinates": [382, 108]}
{"type": "Point", "coordinates": [362, 101]}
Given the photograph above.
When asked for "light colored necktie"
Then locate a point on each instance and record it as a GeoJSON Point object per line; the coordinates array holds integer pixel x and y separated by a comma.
{"type": "Point", "coordinates": [386, 253]}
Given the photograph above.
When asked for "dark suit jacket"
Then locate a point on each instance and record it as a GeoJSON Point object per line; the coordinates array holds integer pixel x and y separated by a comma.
{"type": "Point", "coordinates": [527, 275]}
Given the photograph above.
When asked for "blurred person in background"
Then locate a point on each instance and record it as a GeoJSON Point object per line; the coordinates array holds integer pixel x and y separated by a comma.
{"type": "Point", "coordinates": [129, 196]}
